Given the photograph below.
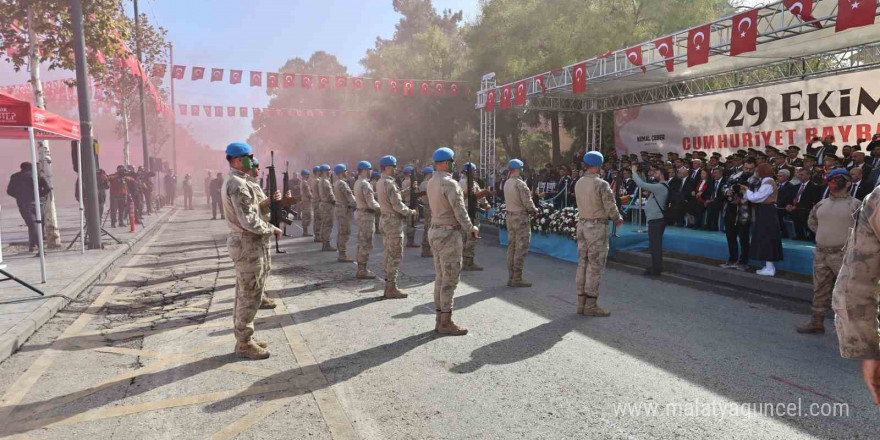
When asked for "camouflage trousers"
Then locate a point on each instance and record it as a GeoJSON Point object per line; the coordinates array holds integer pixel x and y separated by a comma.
{"type": "Point", "coordinates": [343, 228]}
{"type": "Point", "coordinates": [426, 244]}
{"type": "Point", "coordinates": [366, 225]}
{"type": "Point", "coordinates": [469, 243]}
{"type": "Point", "coordinates": [592, 240]}
{"type": "Point", "coordinates": [826, 266]}
{"type": "Point", "coordinates": [519, 234]}
{"type": "Point", "coordinates": [447, 247]}
{"type": "Point", "coordinates": [410, 229]}
{"type": "Point", "coordinates": [392, 239]}
{"type": "Point", "coordinates": [305, 210]}
{"type": "Point", "coordinates": [326, 210]}
{"type": "Point", "coordinates": [250, 254]}
{"type": "Point", "coordinates": [316, 210]}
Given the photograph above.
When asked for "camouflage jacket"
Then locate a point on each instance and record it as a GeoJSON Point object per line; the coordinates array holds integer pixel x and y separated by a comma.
{"type": "Point", "coordinates": [365, 196]}
{"type": "Point", "coordinates": [342, 194]}
{"type": "Point", "coordinates": [242, 203]}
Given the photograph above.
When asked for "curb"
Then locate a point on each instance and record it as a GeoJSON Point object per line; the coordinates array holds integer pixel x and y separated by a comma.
{"type": "Point", "coordinates": [19, 334]}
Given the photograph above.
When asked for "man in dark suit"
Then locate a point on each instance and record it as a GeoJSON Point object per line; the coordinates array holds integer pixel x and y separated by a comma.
{"type": "Point", "coordinates": [807, 194]}
{"type": "Point", "coordinates": [628, 183]}
{"type": "Point", "coordinates": [786, 193]}
{"type": "Point", "coordinates": [859, 189]}
{"type": "Point", "coordinates": [714, 199]}
{"type": "Point", "coordinates": [827, 147]}
{"type": "Point", "coordinates": [792, 157]}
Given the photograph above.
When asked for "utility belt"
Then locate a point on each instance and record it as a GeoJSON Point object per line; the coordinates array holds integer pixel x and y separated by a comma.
{"type": "Point", "coordinates": [446, 227]}
{"type": "Point", "coordinates": [393, 215]}
{"type": "Point", "coordinates": [829, 249]}
{"type": "Point", "coordinates": [594, 221]}
{"type": "Point", "coordinates": [370, 211]}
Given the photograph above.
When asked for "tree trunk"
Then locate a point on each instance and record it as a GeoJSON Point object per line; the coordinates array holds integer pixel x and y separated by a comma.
{"type": "Point", "coordinates": [555, 152]}
{"type": "Point", "coordinates": [126, 151]}
{"type": "Point", "coordinates": [50, 218]}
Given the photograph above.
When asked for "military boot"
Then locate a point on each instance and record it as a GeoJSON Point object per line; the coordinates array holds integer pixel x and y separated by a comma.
{"type": "Point", "coordinates": [306, 232]}
{"type": "Point", "coordinates": [391, 291]}
{"type": "Point", "coordinates": [250, 350]}
{"type": "Point", "coordinates": [437, 320]}
{"type": "Point", "coordinates": [591, 308]}
{"type": "Point", "coordinates": [517, 281]}
{"type": "Point", "coordinates": [817, 325]}
{"type": "Point", "coordinates": [344, 259]}
{"type": "Point", "coordinates": [327, 247]}
{"type": "Point", "coordinates": [261, 344]}
{"type": "Point", "coordinates": [267, 303]}
{"type": "Point", "coordinates": [447, 327]}
{"type": "Point", "coordinates": [468, 265]}
{"type": "Point", "coordinates": [582, 301]}
{"type": "Point", "coordinates": [363, 273]}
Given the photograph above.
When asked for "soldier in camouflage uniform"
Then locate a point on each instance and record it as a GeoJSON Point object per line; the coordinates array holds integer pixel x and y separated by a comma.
{"type": "Point", "coordinates": [327, 202]}
{"type": "Point", "coordinates": [406, 195]}
{"type": "Point", "coordinates": [830, 219]}
{"type": "Point", "coordinates": [367, 211]}
{"type": "Point", "coordinates": [856, 295]}
{"type": "Point", "coordinates": [596, 206]}
{"type": "Point", "coordinates": [345, 205]}
{"type": "Point", "coordinates": [248, 244]}
{"type": "Point", "coordinates": [519, 204]}
{"type": "Point", "coordinates": [394, 213]}
{"type": "Point", "coordinates": [374, 177]}
{"type": "Point", "coordinates": [426, 208]}
{"type": "Point", "coordinates": [305, 209]}
{"type": "Point", "coordinates": [316, 202]}
{"type": "Point", "coordinates": [448, 218]}
{"type": "Point", "coordinates": [470, 243]}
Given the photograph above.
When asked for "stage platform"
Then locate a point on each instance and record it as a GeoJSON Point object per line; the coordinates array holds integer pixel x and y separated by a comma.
{"type": "Point", "coordinates": [798, 255]}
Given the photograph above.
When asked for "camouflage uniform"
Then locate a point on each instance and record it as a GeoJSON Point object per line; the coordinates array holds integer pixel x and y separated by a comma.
{"type": "Point", "coordinates": [596, 207]}
{"type": "Point", "coordinates": [316, 201]}
{"type": "Point", "coordinates": [373, 185]}
{"type": "Point", "coordinates": [368, 211]}
{"type": "Point", "coordinates": [410, 225]}
{"type": "Point", "coordinates": [248, 244]}
{"type": "Point", "coordinates": [305, 207]}
{"type": "Point", "coordinates": [327, 201]}
{"type": "Point", "coordinates": [448, 219]}
{"type": "Point", "coordinates": [518, 200]}
{"type": "Point", "coordinates": [345, 205]}
{"type": "Point", "coordinates": [469, 242]}
{"type": "Point", "coordinates": [856, 294]}
{"type": "Point", "coordinates": [394, 213]}
{"type": "Point", "coordinates": [426, 208]}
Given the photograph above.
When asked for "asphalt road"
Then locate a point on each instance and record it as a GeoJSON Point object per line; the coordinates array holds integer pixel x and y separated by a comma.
{"type": "Point", "coordinates": [147, 354]}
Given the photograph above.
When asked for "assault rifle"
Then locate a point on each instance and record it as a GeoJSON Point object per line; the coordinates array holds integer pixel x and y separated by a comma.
{"type": "Point", "coordinates": [471, 197]}
{"type": "Point", "coordinates": [274, 205]}
{"type": "Point", "coordinates": [285, 184]}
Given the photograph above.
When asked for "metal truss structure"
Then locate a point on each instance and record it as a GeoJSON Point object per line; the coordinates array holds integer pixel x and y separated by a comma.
{"type": "Point", "coordinates": [487, 134]}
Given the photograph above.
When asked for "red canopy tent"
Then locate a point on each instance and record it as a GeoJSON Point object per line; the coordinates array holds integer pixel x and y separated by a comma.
{"type": "Point", "coordinates": [23, 120]}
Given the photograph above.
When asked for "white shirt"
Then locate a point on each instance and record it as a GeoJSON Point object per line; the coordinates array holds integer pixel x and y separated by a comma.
{"type": "Point", "coordinates": [766, 190]}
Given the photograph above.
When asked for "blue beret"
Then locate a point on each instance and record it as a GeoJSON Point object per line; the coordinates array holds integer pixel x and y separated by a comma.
{"type": "Point", "coordinates": [305, 172]}
{"type": "Point", "coordinates": [364, 165]}
{"type": "Point", "coordinates": [339, 168]}
{"type": "Point", "coordinates": [469, 166]}
{"type": "Point", "coordinates": [594, 158]}
{"type": "Point", "coordinates": [375, 173]}
{"type": "Point", "coordinates": [838, 172]}
{"type": "Point", "coordinates": [515, 164]}
{"type": "Point", "coordinates": [408, 170]}
{"type": "Point", "coordinates": [388, 161]}
{"type": "Point", "coordinates": [443, 154]}
{"type": "Point", "coordinates": [428, 170]}
{"type": "Point", "coordinates": [316, 168]}
{"type": "Point", "coordinates": [325, 167]}
{"type": "Point", "coordinates": [238, 149]}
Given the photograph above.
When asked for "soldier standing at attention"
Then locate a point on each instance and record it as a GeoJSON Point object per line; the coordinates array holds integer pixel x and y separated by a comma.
{"type": "Point", "coordinates": [830, 219]}
{"type": "Point", "coordinates": [406, 195]}
{"type": "Point", "coordinates": [856, 295]}
{"type": "Point", "coordinates": [426, 207]}
{"type": "Point", "coordinates": [305, 207]}
{"type": "Point", "coordinates": [518, 199]}
{"type": "Point", "coordinates": [470, 243]}
{"type": "Point", "coordinates": [368, 210]}
{"type": "Point", "coordinates": [248, 244]}
{"type": "Point", "coordinates": [394, 213]}
{"type": "Point", "coordinates": [345, 205]}
{"type": "Point", "coordinates": [374, 178]}
{"type": "Point", "coordinates": [316, 202]}
{"type": "Point", "coordinates": [327, 202]}
{"type": "Point", "coordinates": [448, 219]}
{"type": "Point", "coordinates": [596, 206]}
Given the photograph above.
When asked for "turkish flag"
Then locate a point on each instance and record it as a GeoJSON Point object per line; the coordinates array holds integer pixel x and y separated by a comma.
{"type": "Point", "coordinates": [216, 74]}
{"type": "Point", "coordinates": [235, 76]}
{"type": "Point", "coordinates": [579, 78]}
{"type": "Point", "coordinates": [377, 85]}
{"type": "Point", "coordinates": [744, 33]}
{"type": "Point", "coordinates": [256, 79]}
{"type": "Point", "coordinates": [323, 82]}
{"type": "Point", "coordinates": [357, 83]}
{"type": "Point", "coordinates": [519, 94]}
{"type": "Point", "coordinates": [425, 88]}
{"type": "Point", "coordinates": [272, 80]}
{"type": "Point", "coordinates": [178, 72]}
{"type": "Point", "coordinates": [242, 112]}
{"type": "Point", "coordinates": [194, 110]}
{"type": "Point", "coordinates": [299, 113]}
{"type": "Point", "coordinates": [539, 82]}
{"type": "Point", "coordinates": [182, 109]}
{"type": "Point", "coordinates": [341, 82]}
{"type": "Point", "coordinates": [305, 81]}
{"type": "Point", "coordinates": [230, 111]}
{"type": "Point", "coordinates": [855, 13]}
{"type": "Point", "coordinates": [453, 89]}
{"type": "Point", "coordinates": [207, 110]}
{"type": "Point", "coordinates": [802, 9]}
{"type": "Point", "coordinates": [409, 87]}
{"type": "Point", "coordinates": [158, 70]}
{"type": "Point", "coordinates": [634, 55]}
{"type": "Point", "coordinates": [439, 89]}
{"type": "Point", "coordinates": [490, 101]}
{"type": "Point", "coordinates": [698, 45]}
{"type": "Point", "coordinates": [505, 97]}
{"type": "Point", "coordinates": [256, 111]}
{"type": "Point", "coordinates": [393, 86]}
{"type": "Point", "coordinates": [289, 80]}
{"type": "Point", "coordinates": [218, 111]}
{"type": "Point", "coordinates": [197, 73]}
{"type": "Point", "coordinates": [664, 48]}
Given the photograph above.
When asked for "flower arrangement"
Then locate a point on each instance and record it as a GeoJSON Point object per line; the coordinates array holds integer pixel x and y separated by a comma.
{"type": "Point", "coordinates": [549, 220]}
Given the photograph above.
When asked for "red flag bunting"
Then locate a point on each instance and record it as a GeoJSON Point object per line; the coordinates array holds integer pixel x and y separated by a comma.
{"type": "Point", "coordinates": [453, 89]}
{"type": "Point", "coordinates": [357, 83]}
{"type": "Point", "coordinates": [272, 80]}
{"type": "Point", "coordinates": [490, 101]}
{"type": "Point", "coordinates": [218, 111]}
{"type": "Point", "coordinates": [341, 82]}
{"type": "Point", "coordinates": [194, 110]}
{"type": "Point", "coordinates": [393, 86]}
{"type": "Point", "coordinates": [664, 48]}
{"type": "Point", "coordinates": [230, 111]}
{"type": "Point", "coordinates": [579, 78]}
{"type": "Point", "coordinates": [698, 45]}
{"type": "Point", "coordinates": [207, 110]}
{"type": "Point", "coordinates": [539, 83]}
{"type": "Point", "coordinates": [377, 85]}
{"type": "Point", "coordinates": [505, 97]}
{"type": "Point", "coordinates": [519, 94]}
{"type": "Point", "coordinates": [182, 109]}
{"type": "Point", "coordinates": [439, 89]}
{"type": "Point", "coordinates": [306, 81]}
{"type": "Point", "coordinates": [802, 9]}
{"type": "Point", "coordinates": [323, 83]}
{"type": "Point", "coordinates": [409, 87]}
{"type": "Point", "coordinates": [744, 33]}
{"type": "Point", "coordinates": [178, 72]}
{"type": "Point", "coordinates": [216, 74]}
{"type": "Point", "coordinates": [158, 70]}
{"type": "Point", "coordinates": [634, 55]}
{"type": "Point", "coordinates": [289, 80]}
{"type": "Point", "coordinates": [256, 79]}
{"type": "Point", "coordinates": [425, 88]}
{"type": "Point", "coordinates": [242, 111]}
{"type": "Point", "coordinates": [235, 76]}
{"type": "Point", "coordinates": [256, 111]}
{"type": "Point", "coordinates": [197, 73]}
{"type": "Point", "coordinates": [855, 13]}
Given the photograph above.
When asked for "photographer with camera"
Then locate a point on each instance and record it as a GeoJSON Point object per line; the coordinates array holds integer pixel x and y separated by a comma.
{"type": "Point", "coordinates": [737, 218]}
{"type": "Point", "coordinates": [766, 238]}
{"type": "Point", "coordinates": [655, 213]}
